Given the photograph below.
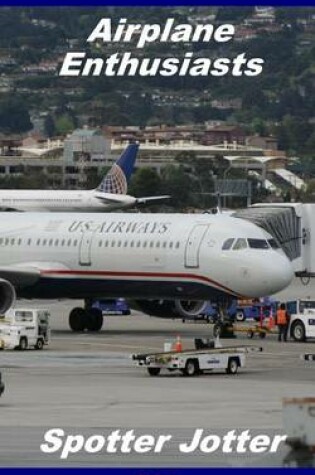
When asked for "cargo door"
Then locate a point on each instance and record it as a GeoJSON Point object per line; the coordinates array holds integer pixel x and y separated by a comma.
{"type": "Point", "coordinates": [193, 244]}
{"type": "Point", "coordinates": [85, 249]}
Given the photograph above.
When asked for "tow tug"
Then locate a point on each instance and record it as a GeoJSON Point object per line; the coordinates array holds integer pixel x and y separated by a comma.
{"type": "Point", "coordinates": [204, 357]}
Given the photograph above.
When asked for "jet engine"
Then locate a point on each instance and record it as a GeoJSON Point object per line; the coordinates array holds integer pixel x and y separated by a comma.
{"type": "Point", "coordinates": [7, 296]}
{"type": "Point", "coordinates": [172, 308]}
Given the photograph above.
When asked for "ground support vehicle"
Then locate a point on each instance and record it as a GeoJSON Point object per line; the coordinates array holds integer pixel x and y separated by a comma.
{"type": "Point", "coordinates": [228, 329]}
{"type": "Point", "coordinates": [25, 328]}
{"type": "Point", "coordinates": [308, 357]}
{"type": "Point", "coordinates": [302, 321]}
{"type": "Point", "coordinates": [195, 362]}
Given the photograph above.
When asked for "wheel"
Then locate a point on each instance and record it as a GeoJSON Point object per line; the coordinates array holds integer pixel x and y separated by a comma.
{"type": "Point", "coordinates": [126, 312]}
{"type": "Point", "coordinates": [23, 344]}
{"type": "Point", "coordinates": [298, 331]}
{"type": "Point", "coordinates": [191, 368]}
{"type": "Point", "coordinates": [250, 334]}
{"type": "Point", "coordinates": [94, 320]}
{"type": "Point", "coordinates": [233, 365]}
{"type": "Point", "coordinates": [240, 316]}
{"type": "Point", "coordinates": [154, 371]}
{"type": "Point", "coordinates": [77, 319]}
{"type": "Point", "coordinates": [39, 345]}
{"type": "Point", "coordinates": [262, 335]}
{"type": "Point", "coordinates": [217, 330]}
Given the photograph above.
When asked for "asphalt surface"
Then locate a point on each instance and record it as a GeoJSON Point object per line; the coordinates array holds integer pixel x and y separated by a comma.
{"type": "Point", "coordinates": [87, 384]}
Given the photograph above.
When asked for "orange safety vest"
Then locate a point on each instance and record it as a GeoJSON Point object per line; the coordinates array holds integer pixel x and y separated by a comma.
{"type": "Point", "coordinates": [281, 317]}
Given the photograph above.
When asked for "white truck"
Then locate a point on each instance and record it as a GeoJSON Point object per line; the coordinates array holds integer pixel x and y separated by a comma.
{"type": "Point", "coordinates": [25, 328]}
{"type": "Point", "coordinates": [302, 321]}
{"type": "Point", "coordinates": [195, 362]}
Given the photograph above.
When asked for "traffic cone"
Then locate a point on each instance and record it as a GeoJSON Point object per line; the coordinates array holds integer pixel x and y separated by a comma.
{"type": "Point", "coordinates": [271, 322]}
{"type": "Point", "coordinates": [178, 344]}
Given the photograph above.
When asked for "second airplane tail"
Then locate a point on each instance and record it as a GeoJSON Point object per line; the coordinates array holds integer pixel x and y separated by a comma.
{"type": "Point", "coordinates": [116, 180]}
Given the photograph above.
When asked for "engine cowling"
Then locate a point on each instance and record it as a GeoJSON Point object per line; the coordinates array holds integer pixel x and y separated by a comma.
{"type": "Point", "coordinates": [172, 308]}
{"type": "Point", "coordinates": [7, 295]}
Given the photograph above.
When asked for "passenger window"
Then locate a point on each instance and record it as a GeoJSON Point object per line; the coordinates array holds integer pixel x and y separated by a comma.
{"type": "Point", "coordinates": [38, 242]}
{"type": "Point", "coordinates": [119, 244]}
{"type": "Point", "coordinates": [171, 245]}
{"type": "Point", "coordinates": [177, 245]}
{"type": "Point", "coordinates": [227, 244]}
{"type": "Point", "coordinates": [1, 241]}
{"type": "Point", "coordinates": [240, 244]}
{"type": "Point", "coordinates": [75, 242]}
{"type": "Point", "coordinates": [113, 243]}
{"type": "Point", "coordinates": [138, 243]}
{"type": "Point", "coordinates": [12, 242]}
{"type": "Point", "coordinates": [126, 244]}
{"type": "Point", "coordinates": [29, 242]}
{"type": "Point", "coordinates": [151, 243]}
{"type": "Point", "coordinates": [50, 242]}
{"type": "Point", "coordinates": [157, 244]}
{"type": "Point", "coordinates": [164, 244]}
{"type": "Point", "coordinates": [145, 244]}
{"type": "Point", "coordinates": [56, 242]}
{"type": "Point", "coordinates": [131, 244]}
{"type": "Point", "coordinates": [69, 242]}
{"type": "Point", "coordinates": [44, 242]}
{"type": "Point", "coordinates": [6, 241]}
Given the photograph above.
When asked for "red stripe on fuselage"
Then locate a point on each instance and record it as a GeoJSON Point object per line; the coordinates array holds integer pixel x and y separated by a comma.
{"type": "Point", "coordinates": [140, 274]}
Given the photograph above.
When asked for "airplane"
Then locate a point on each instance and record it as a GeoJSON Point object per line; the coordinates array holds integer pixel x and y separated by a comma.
{"type": "Point", "coordinates": [167, 263]}
{"type": "Point", "coordinates": [111, 194]}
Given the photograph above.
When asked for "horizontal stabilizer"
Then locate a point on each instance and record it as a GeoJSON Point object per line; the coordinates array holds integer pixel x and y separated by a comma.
{"type": "Point", "coordinates": [151, 199]}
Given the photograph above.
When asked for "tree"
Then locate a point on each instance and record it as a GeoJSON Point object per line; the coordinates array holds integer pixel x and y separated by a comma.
{"type": "Point", "coordinates": [145, 182]}
{"type": "Point", "coordinates": [14, 117]}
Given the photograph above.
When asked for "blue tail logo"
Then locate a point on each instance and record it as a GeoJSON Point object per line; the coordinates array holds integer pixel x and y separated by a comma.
{"type": "Point", "coordinates": [116, 180]}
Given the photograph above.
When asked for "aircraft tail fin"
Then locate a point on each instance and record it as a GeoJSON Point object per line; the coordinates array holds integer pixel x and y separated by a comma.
{"type": "Point", "coordinates": [116, 180]}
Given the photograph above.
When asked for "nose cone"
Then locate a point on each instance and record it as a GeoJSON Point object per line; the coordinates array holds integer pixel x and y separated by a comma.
{"type": "Point", "coordinates": [265, 276]}
{"type": "Point", "coordinates": [274, 274]}
{"type": "Point", "coordinates": [280, 273]}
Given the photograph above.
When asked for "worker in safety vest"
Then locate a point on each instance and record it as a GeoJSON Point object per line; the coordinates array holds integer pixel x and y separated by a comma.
{"type": "Point", "coordinates": [283, 321]}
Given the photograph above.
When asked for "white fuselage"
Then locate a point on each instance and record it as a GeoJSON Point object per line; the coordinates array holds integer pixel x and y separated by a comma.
{"type": "Point", "coordinates": [139, 255]}
{"type": "Point", "coordinates": [63, 200]}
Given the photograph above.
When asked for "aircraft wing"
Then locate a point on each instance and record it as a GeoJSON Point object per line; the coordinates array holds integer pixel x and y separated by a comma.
{"type": "Point", "coordinates": [23, 275]}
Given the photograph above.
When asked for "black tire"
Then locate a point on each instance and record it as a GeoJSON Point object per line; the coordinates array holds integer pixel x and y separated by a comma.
{"type": "Point", "coordinates": [154, 371]}
{"type": "Point", "coordinates": [94, 320]}
{"type": "Point", "coordinates": [233, 365]}
{"type": "Point", "coordinates": [217, 330]}
{"type": "Point", "coordinates": [262, 335]}
{"type": "Point", "coordinates": [298, 331]}
{"type": "Point", "coordinates": [126, 312]}
{"type": "Point", "coordinates": [77, 319]}
{"type": "Point", "coordinates": [39, 345]}
{"type": "Point", "coordinates": [240, 316]}
{"type": "Point", "coordinates": [191, 368]}
{"type": "Point", "coordinates": [23, 343]}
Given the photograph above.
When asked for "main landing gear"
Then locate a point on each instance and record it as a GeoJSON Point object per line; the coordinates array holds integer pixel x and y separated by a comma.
{"type": "Point", "coordinates": [87, 318]}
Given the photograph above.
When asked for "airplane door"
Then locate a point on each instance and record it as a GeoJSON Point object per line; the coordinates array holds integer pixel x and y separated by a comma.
{"type": "Point", "coordinates": [85, 249]}
{"type": "Point", "coordinates": [193, 245]}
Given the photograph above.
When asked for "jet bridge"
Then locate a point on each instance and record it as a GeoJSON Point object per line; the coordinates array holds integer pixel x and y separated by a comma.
{"type": "Point", "coordinates": [293, 226]}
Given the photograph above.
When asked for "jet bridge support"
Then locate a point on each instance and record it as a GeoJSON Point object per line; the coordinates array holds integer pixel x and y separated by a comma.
{"type": "Point", "coordinates": [293, 227]}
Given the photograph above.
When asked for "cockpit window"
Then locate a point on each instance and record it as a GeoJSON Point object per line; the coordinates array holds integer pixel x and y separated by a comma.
{"type": "Point", "coordinates": [273, 244]}
{"type": "Point", "coordinates": [240, 244]}
{"type": "Point", "coordinates": [227, 244]}
{"type": "Point", "coordinates": [258, 243]}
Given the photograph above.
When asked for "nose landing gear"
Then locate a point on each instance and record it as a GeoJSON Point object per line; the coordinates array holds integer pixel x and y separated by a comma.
{"type": "Point", "coordinates": [88, 318]}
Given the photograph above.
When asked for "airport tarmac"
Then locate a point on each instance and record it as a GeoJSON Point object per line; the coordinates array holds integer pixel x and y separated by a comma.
{"type": "Point", "coordinates": [87, 384]}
